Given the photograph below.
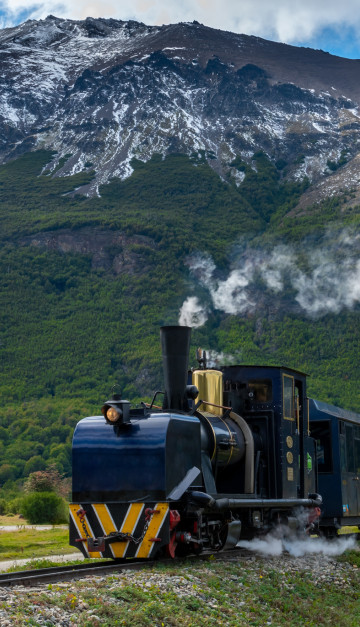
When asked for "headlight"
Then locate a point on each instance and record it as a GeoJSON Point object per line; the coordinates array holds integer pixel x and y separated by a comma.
{"type": "Point", "coordinates": [116, 410]}
{"type": "Point", "coordinates": [112, 415]}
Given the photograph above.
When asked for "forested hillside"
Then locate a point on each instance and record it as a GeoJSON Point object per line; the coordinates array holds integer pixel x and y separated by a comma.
{"type": "Point", "coordinates": [85, 284]}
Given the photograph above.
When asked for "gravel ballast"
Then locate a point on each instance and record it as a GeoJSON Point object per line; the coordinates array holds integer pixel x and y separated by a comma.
{"type": "Point", "coordinates": [84, 602]}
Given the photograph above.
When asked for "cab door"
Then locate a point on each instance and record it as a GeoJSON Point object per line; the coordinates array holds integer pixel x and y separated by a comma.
{"type": "Point", "coordinates": [351, 471]}
{"type": "Point", "coordinates": [290, 438]}
{"type": "Point", "coordinates": [357, 465]}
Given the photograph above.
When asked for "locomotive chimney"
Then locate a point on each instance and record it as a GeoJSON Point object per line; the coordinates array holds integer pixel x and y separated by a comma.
{"type": "Point", "coordinates": [175, 346]}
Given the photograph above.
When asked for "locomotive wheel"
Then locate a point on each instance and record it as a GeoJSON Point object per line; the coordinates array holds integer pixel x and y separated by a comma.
{"type": "Point", "coordinates": [183, 550]}
{"type": "Point", "coordinates": [330, 533]}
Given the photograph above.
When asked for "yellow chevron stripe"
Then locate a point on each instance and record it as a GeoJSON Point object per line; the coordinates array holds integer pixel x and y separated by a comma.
{"type": "Point", "coordinates": [108, 525]}
{"type": "Point", "coordinates": [105, 519]}
{"type": "Point", "coordinates": [129, 525]}
{"type": "Point", "coordinates": [154, 527]}
{"type": "Point", "coordinates": [83, 527]}
{"type": "Point", "coordinates": [132, 517]}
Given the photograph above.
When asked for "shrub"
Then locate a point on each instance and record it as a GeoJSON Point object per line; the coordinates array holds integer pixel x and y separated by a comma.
{"type": "Point", "coordinates": [49, 480]}
{"type": "Point", "coordinates": [44, 507]}
{"type": "Point", "coordinates": [13, 506]}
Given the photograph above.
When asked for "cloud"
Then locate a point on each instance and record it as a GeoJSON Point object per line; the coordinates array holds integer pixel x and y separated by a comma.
{"type": "Point", "coordinates": [320, 280]}
{"type": "Point", "coordinates": [283, 20]}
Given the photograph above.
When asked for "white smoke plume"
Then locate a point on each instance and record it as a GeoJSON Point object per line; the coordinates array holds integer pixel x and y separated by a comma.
{"type": "Point", "coordinates": [272, 545]}
{"type": "Point", "coordinates": [322, 279]}
{"type": "Point", "coordinates": [192, 313]}
{"type": "Point", "coordinates": [231, 295]}
{"type": "Point", "coordinates": [214, 359]}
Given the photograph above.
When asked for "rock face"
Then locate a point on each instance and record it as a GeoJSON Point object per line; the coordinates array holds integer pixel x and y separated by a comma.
{"type": "Point", "coordinates": [109, 250]}
{"type": "Point", "coordinates": [101, 92]}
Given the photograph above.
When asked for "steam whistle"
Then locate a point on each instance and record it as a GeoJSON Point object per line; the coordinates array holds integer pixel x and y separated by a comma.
{"type": "Point", "coordinates": [201, 358]}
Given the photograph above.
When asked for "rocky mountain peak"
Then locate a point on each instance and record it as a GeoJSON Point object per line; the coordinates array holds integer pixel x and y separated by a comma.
{"type": "Point", "coordinates": [100, 92]}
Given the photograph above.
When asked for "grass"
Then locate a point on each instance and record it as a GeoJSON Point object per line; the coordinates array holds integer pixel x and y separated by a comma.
{"type": "Point", "coordinates": [11, 519]}
{"type": "Point", "coordinates": [195, 592]}
{"type": "Point", "coordinates": [30, 543]}
{"type": "Point", "coordinates": [352, 557]}
{"type": "Point", "coordinates": [226, 594]}
{"type": "Point", "coordinates": [15, 520]}
{"type": "Point", "coordinates": [189, 593]}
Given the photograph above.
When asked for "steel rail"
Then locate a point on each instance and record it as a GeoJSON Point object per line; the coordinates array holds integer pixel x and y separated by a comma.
{"type": "Point", "coordinates": [77, 571]}
{"type": "Point", "coordinates": [68, 572]}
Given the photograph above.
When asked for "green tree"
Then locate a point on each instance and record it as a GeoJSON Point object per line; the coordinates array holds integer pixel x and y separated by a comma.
{"type": "Point", "coordinates": [49, 480]}
{"type": "Point", "coordinates": [44, 507]}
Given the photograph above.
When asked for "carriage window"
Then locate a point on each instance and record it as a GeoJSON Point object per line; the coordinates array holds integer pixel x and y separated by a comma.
{"type": "Point", "coordinates": [342, 453]}
{"type": "Point", "coordinates": [321, 432]}
{"type": "Point", "coordinates": [261, 389]}
{"type": "Point", "coordinates": [288, 397]}
{"type": "Point", "coordinates": [357, 454]}
{"type": "Point", "coordinates": [350, 457]}
{"type": "Point", "coordinates": [352, 437]}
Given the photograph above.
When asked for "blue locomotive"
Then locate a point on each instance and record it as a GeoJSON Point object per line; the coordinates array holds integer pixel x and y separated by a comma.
{"type": "Point", "coordinates": [229, 454]}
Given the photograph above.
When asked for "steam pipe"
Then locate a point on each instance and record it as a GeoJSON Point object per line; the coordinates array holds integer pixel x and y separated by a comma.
{"type": "Point", "coordinates": [226, 503]}
{"type": "Point", "coordinates": [206, 500]}
{"type": "Point", "coordinates": [175, 346]}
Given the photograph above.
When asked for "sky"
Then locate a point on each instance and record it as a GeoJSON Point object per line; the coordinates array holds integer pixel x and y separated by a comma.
{"type": "Point", "coordinates": [330, 25]}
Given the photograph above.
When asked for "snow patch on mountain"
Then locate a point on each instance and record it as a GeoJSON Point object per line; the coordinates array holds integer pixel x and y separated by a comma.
{"type": "Point", "coordinates": [107, 91]}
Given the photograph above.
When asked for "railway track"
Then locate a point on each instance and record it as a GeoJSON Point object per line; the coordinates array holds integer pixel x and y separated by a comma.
{"type": "Point", "coordinates": [67, 573]}
{"type": "Point", "coordinates": [104, 567]}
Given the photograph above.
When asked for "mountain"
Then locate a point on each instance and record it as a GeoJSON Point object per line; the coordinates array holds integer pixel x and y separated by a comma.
{"type": "Point", "coordinates": [102, 92]}
{"type": "Point", "coordinates": [151, 175]}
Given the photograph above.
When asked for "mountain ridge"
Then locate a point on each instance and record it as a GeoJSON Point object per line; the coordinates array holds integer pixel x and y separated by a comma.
{"type": "Point", "coordinates": [102, 92]}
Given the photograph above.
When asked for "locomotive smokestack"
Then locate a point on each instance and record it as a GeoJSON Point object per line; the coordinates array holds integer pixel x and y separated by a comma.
{"type": "Point", "coordinates": [175, 346]}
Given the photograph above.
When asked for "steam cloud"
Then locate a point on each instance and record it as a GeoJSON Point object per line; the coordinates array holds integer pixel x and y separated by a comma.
{"type": "Point", "coordinates": [214, 358]}
{"type": "Point", "coordinates": [283, 539]}
{"type": "Point", "coordinates": [272, 545]}
{"type": "Point", "coordinates": [319, 281]}
{"type": "Point", "coordinates": [192, 313]}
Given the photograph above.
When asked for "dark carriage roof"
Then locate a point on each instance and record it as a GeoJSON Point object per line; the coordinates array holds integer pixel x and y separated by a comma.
{"type": "Point", "coordinates": [265, 367]}
{"type": "Point", "coordinates": [338, 412]}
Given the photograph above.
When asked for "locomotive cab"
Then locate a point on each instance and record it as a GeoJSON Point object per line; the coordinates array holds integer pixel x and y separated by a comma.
{"type": "Point", "coordinates": [273, 402]}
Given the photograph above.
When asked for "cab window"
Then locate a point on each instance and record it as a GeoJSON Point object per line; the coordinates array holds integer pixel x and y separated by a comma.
{"type": "Point", "coordinates": [260, 390]}
{"type": "Point", "coordinates": [288, 397]}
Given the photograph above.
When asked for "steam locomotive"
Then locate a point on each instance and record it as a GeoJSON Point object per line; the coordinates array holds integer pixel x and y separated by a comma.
{"type": "Point", "coordinates": [229, 454]}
